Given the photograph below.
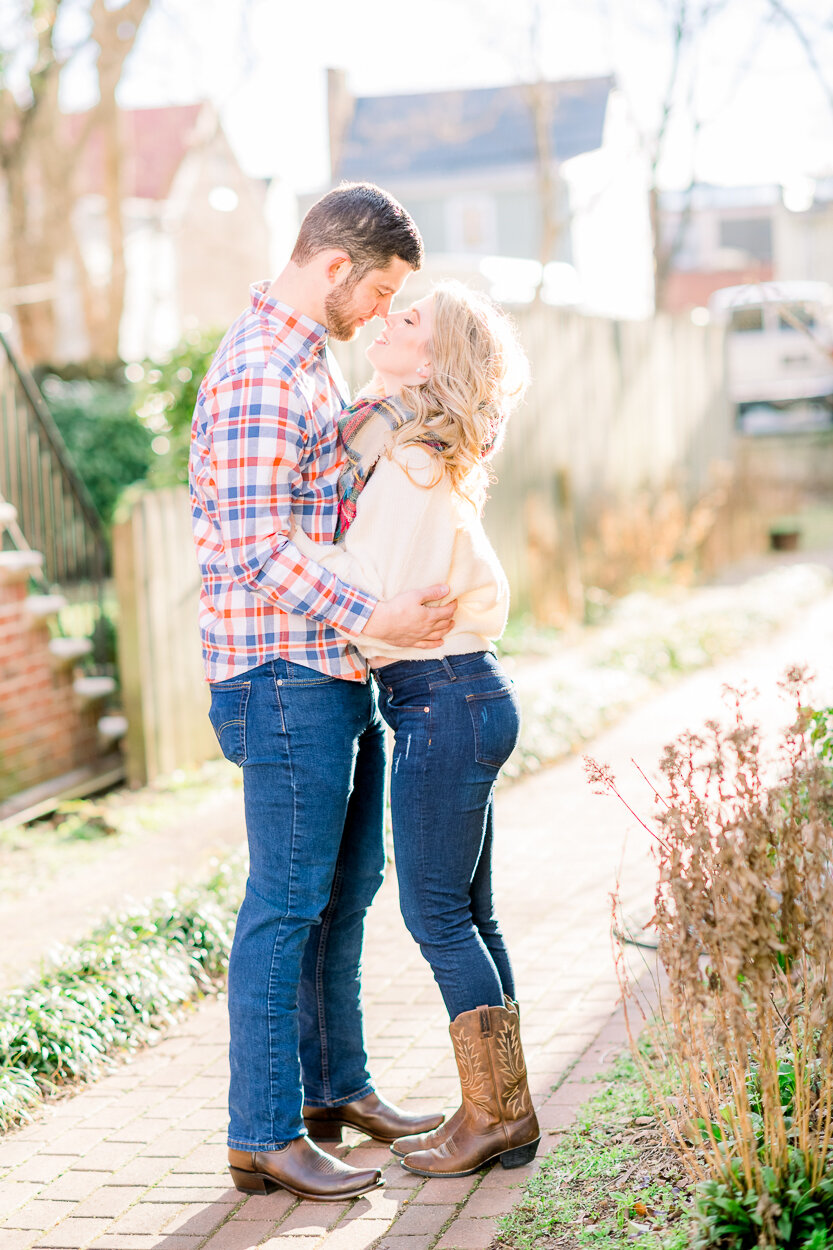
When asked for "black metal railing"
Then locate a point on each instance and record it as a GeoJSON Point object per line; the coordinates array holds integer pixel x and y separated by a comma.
{"type": "Point", "coordinates": [55, 512]}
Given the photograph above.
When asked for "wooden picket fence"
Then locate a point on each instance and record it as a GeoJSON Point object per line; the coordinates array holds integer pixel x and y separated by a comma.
{"type": "Point", "coordinates": [164, 694]}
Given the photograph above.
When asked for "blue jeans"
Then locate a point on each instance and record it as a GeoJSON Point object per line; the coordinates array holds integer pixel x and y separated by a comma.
{"type": "Point", "coordinates": [455, 722]}
{"type": "Point", "coordinates": [312, 752]}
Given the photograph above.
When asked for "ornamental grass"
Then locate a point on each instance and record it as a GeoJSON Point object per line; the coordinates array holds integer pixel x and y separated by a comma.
{"type": "Point", "coordinates": [744, 917]}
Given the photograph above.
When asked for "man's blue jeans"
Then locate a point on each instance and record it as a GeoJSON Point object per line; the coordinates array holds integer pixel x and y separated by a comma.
{"type": "Point", "coordinates": [312, 752]}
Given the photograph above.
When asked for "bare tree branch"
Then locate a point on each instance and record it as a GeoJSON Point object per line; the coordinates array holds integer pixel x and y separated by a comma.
{"type": "Point", "coordinates": [779, 7]}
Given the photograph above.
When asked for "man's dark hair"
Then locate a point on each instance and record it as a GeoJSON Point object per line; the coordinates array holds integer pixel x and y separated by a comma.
{"type": "Point", "coordinates": [366, 222]}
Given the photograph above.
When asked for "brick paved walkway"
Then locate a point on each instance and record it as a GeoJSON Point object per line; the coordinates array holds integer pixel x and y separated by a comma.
{"type": "Point", "coordinates": [138, 1159]}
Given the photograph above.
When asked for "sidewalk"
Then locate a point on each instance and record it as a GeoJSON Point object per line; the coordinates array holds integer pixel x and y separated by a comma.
{"type": "Point", "coordinates": [138, 1159]}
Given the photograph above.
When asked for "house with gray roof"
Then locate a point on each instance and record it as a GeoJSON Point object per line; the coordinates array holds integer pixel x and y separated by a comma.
{"type": "Point", "coordinates": [537, 172]}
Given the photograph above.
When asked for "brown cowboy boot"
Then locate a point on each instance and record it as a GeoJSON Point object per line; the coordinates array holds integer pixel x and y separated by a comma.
{"type": "Point", "coordinates": [429, 1141]}
{"type": "Point", "coordinates": [498, 1120]}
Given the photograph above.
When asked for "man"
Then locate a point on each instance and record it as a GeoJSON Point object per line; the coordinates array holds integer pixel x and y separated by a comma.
{"type": "Point", "coordinates": [291, 702]}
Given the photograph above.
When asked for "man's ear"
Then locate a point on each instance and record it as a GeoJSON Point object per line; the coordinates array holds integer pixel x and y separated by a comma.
{"type": "Point", "coordinates": [338, 267]}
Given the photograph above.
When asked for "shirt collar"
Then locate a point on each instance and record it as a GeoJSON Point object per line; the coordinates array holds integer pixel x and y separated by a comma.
{"type": "Point", "coordinates": [302, 335]}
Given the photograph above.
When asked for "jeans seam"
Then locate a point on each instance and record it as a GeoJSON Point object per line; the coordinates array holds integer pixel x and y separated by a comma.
{"type": "Point", "coordinates": [326, 923]}
{"type": "Point", "coordinates": [270, 994]}
{"type": "Point", "coordinates": [421, 811]}
{"type": "Point", "coordinates": [271, 1025]}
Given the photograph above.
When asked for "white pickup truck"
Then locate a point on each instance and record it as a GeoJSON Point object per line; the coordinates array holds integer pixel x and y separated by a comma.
{"type": "Point", "coordinates": [779, 345]}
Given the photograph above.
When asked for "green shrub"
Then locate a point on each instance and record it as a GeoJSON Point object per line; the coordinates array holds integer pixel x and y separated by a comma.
{"type": "Point", "coordinates": [109, 445]}
{"type": "Point", "coordinates": [166, 392]}
{"type": "Point", "coordinates": [790, 1210]}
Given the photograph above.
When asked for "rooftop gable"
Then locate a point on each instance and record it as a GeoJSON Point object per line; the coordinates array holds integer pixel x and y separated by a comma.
{"type": "Point", "coordinates": [444, 132]}
{"type": "Point", "coordinates": [154, 143]}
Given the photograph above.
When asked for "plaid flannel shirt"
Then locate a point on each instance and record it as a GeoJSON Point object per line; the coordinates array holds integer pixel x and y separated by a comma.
{"type": "Point", "coordinates": [265, 453]}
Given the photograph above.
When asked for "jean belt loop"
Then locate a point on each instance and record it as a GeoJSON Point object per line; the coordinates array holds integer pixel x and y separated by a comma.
{"type": "Point", "coordinates": [446, 663]}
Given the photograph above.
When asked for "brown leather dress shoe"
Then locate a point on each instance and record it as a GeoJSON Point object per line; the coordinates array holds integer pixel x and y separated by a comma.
{"type": "Point", "coordinates": [371, 1115]}
{"type": "Point", "coordinates": [301, 1168]}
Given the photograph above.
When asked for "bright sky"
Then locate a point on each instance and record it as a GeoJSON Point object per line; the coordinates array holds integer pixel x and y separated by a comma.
{"type": "Point", "coordinates": [765, 117]}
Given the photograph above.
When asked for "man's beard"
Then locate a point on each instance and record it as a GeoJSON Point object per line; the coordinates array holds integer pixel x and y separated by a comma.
{"type": "Point", "coordinates": [340, 313]}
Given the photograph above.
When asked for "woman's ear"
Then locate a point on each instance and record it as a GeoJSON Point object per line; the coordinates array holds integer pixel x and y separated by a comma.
{"type": "Point", "coordinates": [424, 370]}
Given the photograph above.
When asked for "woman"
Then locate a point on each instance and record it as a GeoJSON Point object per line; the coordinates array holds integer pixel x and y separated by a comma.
{"type": "Point", "coordinates": [449, 369]}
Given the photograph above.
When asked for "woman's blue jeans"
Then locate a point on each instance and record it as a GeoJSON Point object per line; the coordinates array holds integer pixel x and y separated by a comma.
{"type": "Point", "coordinates": [312, 752]}
{"type": "Point", "coordinates": [455, 722]}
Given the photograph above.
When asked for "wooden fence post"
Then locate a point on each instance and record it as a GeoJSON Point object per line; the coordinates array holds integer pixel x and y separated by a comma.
{"type": "Point", "coordinates": [165, 693]}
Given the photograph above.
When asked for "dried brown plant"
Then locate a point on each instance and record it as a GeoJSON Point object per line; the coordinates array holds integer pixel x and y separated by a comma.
{"type": "Point", "coordinates": [654, 534]}
{"type": "Point", "coordinates": [744, 917]}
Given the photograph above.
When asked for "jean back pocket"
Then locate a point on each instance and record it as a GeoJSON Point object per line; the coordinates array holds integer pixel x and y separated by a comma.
{"type": "Point", "coordinates": [496, 723]}
{"type": "Point", "coordinates": [228, 718]}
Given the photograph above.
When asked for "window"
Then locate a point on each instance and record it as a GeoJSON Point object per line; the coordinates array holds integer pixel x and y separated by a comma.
{"type": "Point", "coordinates": [747, 320]}
{"type": "Point", "coordinates": [752, 235]}
{"type": "Point", "coordinates": [471, 225]}
{"type": "Point", "coordinates": [796, 313]}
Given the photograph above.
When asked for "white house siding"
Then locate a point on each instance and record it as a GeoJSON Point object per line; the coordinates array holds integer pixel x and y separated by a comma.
{"type": "Point", "coordinates": [803, 243]}
{"type": "Point", "coordinates": [218, 253]}
{"type": "Point", "coordinates": [609, 222]}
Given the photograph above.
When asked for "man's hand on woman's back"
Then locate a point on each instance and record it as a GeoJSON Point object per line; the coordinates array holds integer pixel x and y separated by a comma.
{"type": "Point", "coordinates": [414, 618]}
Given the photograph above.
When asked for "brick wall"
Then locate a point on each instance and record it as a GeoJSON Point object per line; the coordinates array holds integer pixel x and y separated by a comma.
{"type": "Point", "coordinates": [45, 730]}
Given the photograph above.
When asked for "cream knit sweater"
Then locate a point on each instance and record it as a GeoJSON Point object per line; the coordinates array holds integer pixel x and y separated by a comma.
{"type": "Point", "coordinates": [411, 531]}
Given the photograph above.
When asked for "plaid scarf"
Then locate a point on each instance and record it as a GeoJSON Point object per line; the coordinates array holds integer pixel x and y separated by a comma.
{"type": "Point", "coordinates": [364, 431]}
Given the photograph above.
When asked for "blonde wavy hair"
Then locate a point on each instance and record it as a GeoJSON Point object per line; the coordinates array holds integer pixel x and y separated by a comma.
{"type": "Point", "coordinates": [479, 373]}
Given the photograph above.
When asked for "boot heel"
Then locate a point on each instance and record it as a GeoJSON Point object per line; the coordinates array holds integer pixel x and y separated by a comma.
{"type": "Point", "coordinates": [520, 1155]}
{"type": "Point", "coordinates": [321, 1130]}
{"type": "Point", "coordinates": [252, 1182]}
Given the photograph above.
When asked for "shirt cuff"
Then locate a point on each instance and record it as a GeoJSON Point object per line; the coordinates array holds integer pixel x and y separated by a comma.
{"type": "Point", "coordinates": [352, 617]}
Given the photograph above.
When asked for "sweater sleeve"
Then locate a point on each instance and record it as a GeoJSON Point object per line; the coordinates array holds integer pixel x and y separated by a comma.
{"type": "Point", "coordinates": [404, 532]}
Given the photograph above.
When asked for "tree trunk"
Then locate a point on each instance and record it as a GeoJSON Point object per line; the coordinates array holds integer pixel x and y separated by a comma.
{"type": "Point", "coordinates": [39, 168]}
{"type": "Point", "coordinates": [31, 267]}
{"type": "Point", "coordinates": [545, 175]}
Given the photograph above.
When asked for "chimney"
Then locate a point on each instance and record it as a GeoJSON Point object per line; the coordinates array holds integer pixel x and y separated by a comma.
{"type": "Point", "coordinates": [340, 105]}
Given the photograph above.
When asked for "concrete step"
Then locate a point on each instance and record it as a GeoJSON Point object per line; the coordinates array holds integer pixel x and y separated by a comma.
{"type": "Point", "coordinates": [40, 607]}
{"type": "Point", "coordinates": [112, 728]}
{"type": "Point", "coordinates": [18, 566]}
{"type": "Point", "coordinates": [91, 689]}
{"type": "Point", "coordinates": [8, 514]}
{"type": "Point", "coordinates": [68, 650]}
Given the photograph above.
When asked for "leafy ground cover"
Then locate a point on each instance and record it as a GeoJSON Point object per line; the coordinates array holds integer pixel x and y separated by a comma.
{"type": "Point", "coordinates": [111, 992]}
{"type": "Point", "coordinates": [611, 1181]}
